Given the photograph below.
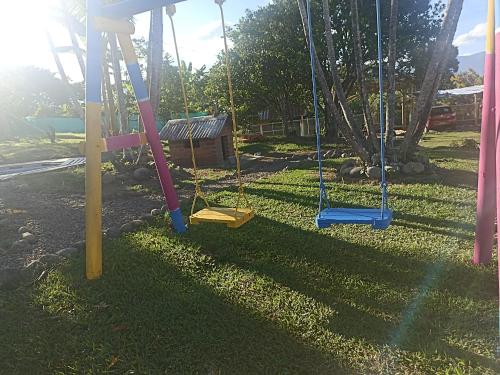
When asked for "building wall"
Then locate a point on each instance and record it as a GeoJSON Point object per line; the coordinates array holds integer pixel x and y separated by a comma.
{"type": "Point", "coordinates": [209, 153]}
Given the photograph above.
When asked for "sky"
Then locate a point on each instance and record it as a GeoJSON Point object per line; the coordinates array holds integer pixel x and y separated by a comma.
{"type": "Point", "coordinates": [23, 25]}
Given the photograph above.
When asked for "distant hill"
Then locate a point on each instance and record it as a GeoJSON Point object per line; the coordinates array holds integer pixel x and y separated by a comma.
{"type": "Point", "coordinates": [475, 62]}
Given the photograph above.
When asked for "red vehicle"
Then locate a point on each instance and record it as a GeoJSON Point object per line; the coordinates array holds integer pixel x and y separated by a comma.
{"type": "Point", "coordinates": [442, 117]}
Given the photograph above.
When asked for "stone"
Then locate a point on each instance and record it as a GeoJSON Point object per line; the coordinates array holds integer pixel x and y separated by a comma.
{"type": "Point", "coordinates": [80, 245]}
{"type": "Point", "coordinates": [23, 230]}
{"type": "Point", "coordinates": [68, 252]}
{"type": "Point", "coordinates": [356, 172]}
{"type": "Point", "coordinates": [114, 232]}
{"type": "Point", "coordinates": [51, 259]}
{"type": "Point", "coordinates": [127, 228]}
{"type": "Point", "coordinates": [389, 169]}
{"type": "Point", "coordinates": [142, 174]}
{"type": "Point", "coordinates": [108, 179]}
{"type": "Point", "coordinates": [156, 212]}
{"type": "Point", "coordinates": [147, 218]}
{"type": "Point", "coordinates": [20, 245]}
{"type": "Point", "coordinates": [345, 171]}
{"type": "Point", "coordinates": [137, 223]}
{"type": "Point", "coordinates": [424, 159]}
{"type": "Point", "coordinates": [10, 277]}
{"type": "Point", "coordinates": [131, 226]}
{"type": "Point", "coordinates": [349, 163]}
{"type": "Point", "coordinates": [3, 251]}
{"type": "Point", "coordinates": [413, 167]}
{"type": "Point", "coordinates": [30, 237]}
{"type": "Point", "coordinates": [4, 221]}
{"type": "Point", "coordinates": [374, 172]}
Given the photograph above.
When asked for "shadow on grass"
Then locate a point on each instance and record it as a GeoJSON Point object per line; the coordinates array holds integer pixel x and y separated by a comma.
{"type": "Point", "coordinates": [145, 315]}
{"type": "Point", "coordinates": [434, 225]}
{"type": "Point", "coordinates": [369, 288]}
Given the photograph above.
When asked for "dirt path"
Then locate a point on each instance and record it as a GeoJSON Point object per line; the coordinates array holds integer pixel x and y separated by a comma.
{"type": "Point", "coordinates": [57, 218]}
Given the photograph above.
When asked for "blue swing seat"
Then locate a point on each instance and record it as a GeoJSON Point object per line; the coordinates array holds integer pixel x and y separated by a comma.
{"type": "Point", "coordinates": [374, 216]}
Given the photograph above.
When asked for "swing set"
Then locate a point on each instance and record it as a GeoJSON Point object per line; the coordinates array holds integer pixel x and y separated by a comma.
{"type": "Point", "coordinates": [111, 19]}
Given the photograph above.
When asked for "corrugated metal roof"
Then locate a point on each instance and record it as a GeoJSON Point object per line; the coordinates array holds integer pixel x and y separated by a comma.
{"type": "Point", "coordinates": [202, 128]}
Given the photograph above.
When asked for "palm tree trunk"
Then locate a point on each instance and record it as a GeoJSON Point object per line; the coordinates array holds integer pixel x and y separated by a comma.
{"type": "Point", "coordinates": [432, 78]}
{"type": "Point", "coordinates": [358, 62]}
{"type": "Point", "coordinates": [356, 144]}
{"type": "Point", "coordinates": [156, 57]}
{"type": "Point", "coordinates": [120, 92]}
{"type": "Point", "coordinates": [391, 76]}
{"type": "Point", "coordinates": [337, 82]}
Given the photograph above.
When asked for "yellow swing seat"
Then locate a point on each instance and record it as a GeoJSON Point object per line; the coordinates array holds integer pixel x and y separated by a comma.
{"type": "Point", "coordinates": [232, 217]}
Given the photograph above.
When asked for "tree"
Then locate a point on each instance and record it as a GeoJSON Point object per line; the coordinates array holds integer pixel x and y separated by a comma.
{"type": "Point", "coordinates": [434, 74]}
{"type": "Point", "coordinates": [391, 75]}
{"type": "Point", "coordinates": [29, 91]}
{"type": "Point", "coordinates": [466, 79]}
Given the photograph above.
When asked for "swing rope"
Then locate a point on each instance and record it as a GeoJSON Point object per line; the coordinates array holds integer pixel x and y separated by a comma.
{"type": "Point", "coordinates": [241, 190]}
{"type": "Point", "coordinates": [323, 198]}
{"type": "Point", "coordinates": [323, 195]}
{"type": "Point", "coordinates": [198, 193]}
{"type": "Point", "coordinates": [383, 183]}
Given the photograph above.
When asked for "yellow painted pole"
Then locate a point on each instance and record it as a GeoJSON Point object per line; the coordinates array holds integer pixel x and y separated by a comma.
{"type": "Point", "coordinates": [93, 141]}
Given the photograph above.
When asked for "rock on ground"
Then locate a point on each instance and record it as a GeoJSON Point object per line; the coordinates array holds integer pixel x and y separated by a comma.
{"type": "Point", "coordinates": [10, 277]}
{"type": "Point", "coordinates": [374, 172]}
{"type": "Point", "coordinates": [50, 259]}
{"type": "Point", "coordinates": [142, 174]}
{"type": "Point", "coordinates": [413, 167]}
{"type": "Point", "coordinates": [356, 172]}
{"type": "Point", "coordinates": [30, 237]}
{"type": "Point", "coordinates": [68, 252]}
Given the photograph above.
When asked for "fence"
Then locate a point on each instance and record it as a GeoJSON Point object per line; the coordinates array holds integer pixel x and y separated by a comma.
{"type": "Point", "coordinates": [304, 127]}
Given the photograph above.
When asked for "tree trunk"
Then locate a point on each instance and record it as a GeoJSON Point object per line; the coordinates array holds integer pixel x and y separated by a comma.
{"type": "Point", "coordinates": [120, 92]}
{"type": "Point", "coordinates": [391, 76]}
{"type": "Point", "coordinates": [64, 78]}
{"type": "Point", "coordinates": [155, 59]}
{"type": "Point", "coordinates": [356, 144]}
{"type": "Point", "coordinates": [432, 79]}
{"type": "Point", "coordinates": [109, 92]}
{"type": "Point", "coordinates": [337, 82]}
{"type": "Point", "coordinates": [154, 62]}
{"type": "Point", "coordinates": [358, 61]}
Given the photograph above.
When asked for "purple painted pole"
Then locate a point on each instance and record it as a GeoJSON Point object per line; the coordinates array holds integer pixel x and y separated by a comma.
{"type": "Point", "coordinates": [486, 187]}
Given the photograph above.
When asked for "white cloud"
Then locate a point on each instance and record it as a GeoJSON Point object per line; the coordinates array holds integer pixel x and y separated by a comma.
{"type": "Point", "coordinates": [200, 45]}
{"type": "Point", "coordinates": [477, 32]}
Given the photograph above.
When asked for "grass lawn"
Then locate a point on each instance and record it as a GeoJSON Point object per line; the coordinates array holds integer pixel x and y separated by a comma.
{"type": "Point", "coordinates": [277, 295]}
{"type": "Point", "coordinates": [26, 150]}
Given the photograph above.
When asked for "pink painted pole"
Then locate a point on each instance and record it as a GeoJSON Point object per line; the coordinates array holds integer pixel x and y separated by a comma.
{"type": "Point", "coordinates": [146, 111]}
{"type": "Point", "coordinates": [486, 188]}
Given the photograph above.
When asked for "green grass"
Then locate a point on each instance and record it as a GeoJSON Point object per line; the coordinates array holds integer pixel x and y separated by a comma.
{"type": "Point", "coordinates": [26, 150]}
{"type": "Point", "coordinates": [275, 145]}
{"type": "Point", "coordinates": [275, 296]}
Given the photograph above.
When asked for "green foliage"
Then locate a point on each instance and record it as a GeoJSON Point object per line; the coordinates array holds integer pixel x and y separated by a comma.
{"type": "Point", "coordinates": [466, 79]}
{"type": "Point", "coordinates": [28, 90]}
